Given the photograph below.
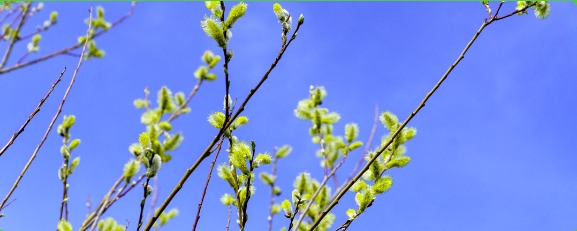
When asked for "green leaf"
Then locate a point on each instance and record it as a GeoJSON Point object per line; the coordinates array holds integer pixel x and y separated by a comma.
{"type": "Point", "coordinates": [214, 29]}
{"type": "Point", "coordinates": [165, 125]}
{"type": "Point", "coordinates": [383, 184]}
{"type": "Point", "coordinates": [235, 13]}
{"type": "Point", "coordinates": [224, 172]}
{"type": "Point", "coordinates": [216, 119]}
{"type": "Point", "coordinates": [149, 117]}
{"type": "Point", "coordinates": [355, 145]}
{"type": "Point", "coordinates": [68, 121]}
{"type": "Point", "coordinates": [283, 151]}
{"type": "Point", "coordinates": [351, 132]}
{"type": "Point", "coordinates": [131, 168]}
{"type": "Point", "coordinates": [53, 17]}
{"type": "Point", "coordinates": [179, 98]}
{"type": "Point", "coordinates": [266, 178]}
{"type": "Point", "coordinates": [144, 140]}
{"type": "Point", "coordinates": [140, 103]}
{"type": "Point", "coordinates": [542, 9]}
{"type": "Point", "coordinates": [262, 159]}
{"type": "Point", "coordinates": [73, 144]}
{"type": "Point", "coordinates": [241, 120]}
{"type": "Point", "coordinates": [73, 165]}
{"type": "Point", "coordinates": [399, 162]}
{"type": "Point", "coordinates": [135, 149]}
{"type": "Point", "coordinates": [286, 206]}
{"type": "Point", "coordinates": [154, 167]}
{"type": "Point", "coordinates": [363, 199]}
{"type": "Point", "coordinates": [302, 182]}
{"type": "Point", "coordinates": [389, 120]}
{"type": "Point", "coordinates": [64, 225]}
{"type": "Point", "coordinates": [351, 214]}
{"type": "Point", "coordinates": [358, 186]}
{"type": "Point", "coordinates": [173, 142]}
{"type": "Point", "coordinates": [165, 101]}
{"type": "Point", "coordinates": [409, 133]}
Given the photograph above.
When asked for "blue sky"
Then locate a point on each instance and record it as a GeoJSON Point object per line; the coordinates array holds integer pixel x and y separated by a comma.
{"type": "Point", "coordinates": [494, 149]}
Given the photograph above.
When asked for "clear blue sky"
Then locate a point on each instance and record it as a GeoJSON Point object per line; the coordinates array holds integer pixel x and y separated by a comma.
{"type": "Point", "coordinates": [495, 145]}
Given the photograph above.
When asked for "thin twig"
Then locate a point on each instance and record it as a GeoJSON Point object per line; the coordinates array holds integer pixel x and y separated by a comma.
{"type": "Point", "coordinates": [102, 206]}
{"type": "Point", "coordinates": [206, 152]}
{"type": "Point", "coordinates": [154, 198]}
{"type": "Point", "coordinates": [14, 36]}
{"type": "Point", "coordinates": [272, 193]}
{"type": "Point", "coordinates": [342, 192]}
{"type": "Point", "coordinates": [49, 126]}
{"type": "Point", "coordinates": [188, 99]}
{"type": "Point", "coordinates": [312, 199]}
{"type": "Point", "coordinates": [36, 110]}
{"type": "Point", "coordinates": [206, 186]}
{"type": "Point", "coordinates": [10, 13]}
{"type": "Point", "coordinates": [68, 49]}
{"type": "Point", "coordinates": [295, 214]}
{"type": "Point", "coordinates": [229, 215]}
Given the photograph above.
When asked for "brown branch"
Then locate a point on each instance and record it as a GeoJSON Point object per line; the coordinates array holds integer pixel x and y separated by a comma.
{"type": "Point", "coordinates": [419, 107]}
{"type": "Point", "coordinates": [206, 186]}
{"type": "Point", "coordinates": [229, 215]}
{"type": "Point", "coordinates": [155, 193]}
{"type": "Point", "coordinates": [206, 152]}
{"type": "Point", "coordinates": [36, 110]}
{"type": "Point", "coordinates": [68, 49]}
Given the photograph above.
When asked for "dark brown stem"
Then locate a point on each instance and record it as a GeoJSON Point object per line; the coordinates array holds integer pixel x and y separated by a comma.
{"type": "Point", "coordinates": [36, 110]}
{"type": "Point", "coordinates": [206, 186]}
{"type": "Point", "coordinates": [206, 152]}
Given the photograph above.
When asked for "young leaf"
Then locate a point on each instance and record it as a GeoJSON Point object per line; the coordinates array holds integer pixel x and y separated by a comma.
{"type": "Point", "coordinates": [64, 225]}
{"type": "Point", "coordinates": [73, 165]}
{"type": "Point", "coordinates": [383, 184]}
{"type": "Point", "coordinates": [351, 132]}
{"type": "Point", "coordinates": [216, 119]}
{"type": "Point", "coordinates": [283, 151]}
{"type": "Point", "coordinates": [73, 144]}
{"type": "Point", "coordinates": [286, 206]}
{"type": "Point", "coordinates": [131, 168]}
{"type": "Point", "coordinates": [266, 178]}
{"type": "Point", "coordinates": [173, 142]}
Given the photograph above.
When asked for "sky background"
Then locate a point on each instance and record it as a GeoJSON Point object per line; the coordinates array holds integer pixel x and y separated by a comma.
{"type": "Point", "coordinates": [495, 145]}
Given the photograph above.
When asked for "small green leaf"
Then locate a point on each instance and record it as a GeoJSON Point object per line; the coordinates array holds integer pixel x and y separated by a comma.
{"type": "Point", "coordinates": [241, 120]}
{"type": "Point", "coordinates": [262, 159]}
{"type": "Point", "coordinates": [154, 167]}
{"type": "Point", "coordinates": [351, 214]}
{"type": "Point", "coordinates": [227, 199]}
{"type": "Point", "coordinates": [383, 184]}
{"type": "Point", "coordinates": [399, 162]}
{"type": "Point", "coordinates": [216, 119]}
{"type": "Point", "coordinates": [73, 165]}
{"type": "Point", "coordinates": [286, 206]}
{"type": "Point", "coordinates": [140, 103]}
{"type": "Point", "coordinates": [144, 140]}
{"type": "Point", "coordinates": [267, 178]}
{"type": "Point", "coordinates": [355, 145]}
{"type": "Point", "coordinates": [358, 186]}
{"type": "Point", "coordinates": [73, 144]}
{"type": "Point", "coordinates": [389, 120]}
{"type": "Point", "coordinates": [235, 13]}
{"type": "Point", "coordinates": [64, 225]}
{"type": "Point", "coordinates": [173, 142]}
{"type": "Point", "coordinates": [165, 125]}
{"type": "Point", "coordinates": [351, 132]}
{"type": "Point", "coordinates": [283, 151]}
{"type": "Point", "coordinates": [131, 168]}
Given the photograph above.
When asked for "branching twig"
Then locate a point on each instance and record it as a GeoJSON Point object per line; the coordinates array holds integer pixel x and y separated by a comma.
{"type": "Point", "coordinates": [36, 110]}
{"type": "Point", "coordinates": [14, 36]}
{"type": "Point", "coordinates": [206, 152]}
{"type": "Point", "coordinates": [206, 186]}
{"type": "Point", "coordinates": [51, 123]}
{"type": "Point", "coordinates": [342, 192]}
{"type": "Point", "coordinates": [67, 50]}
